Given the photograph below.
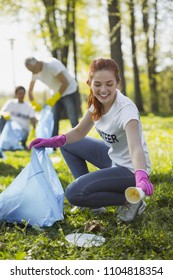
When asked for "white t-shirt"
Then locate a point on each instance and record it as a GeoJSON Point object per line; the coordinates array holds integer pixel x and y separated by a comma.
{"type": "Point", "coordinates": [19, 112]}
{"type": "Point", "coordinates": [51, 68]}
{"type": "Point", "coordinates": [111, 128]}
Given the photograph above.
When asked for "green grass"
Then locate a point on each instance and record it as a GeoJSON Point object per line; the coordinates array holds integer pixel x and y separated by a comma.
{"type": "Point", "coordinates": [150, 236]}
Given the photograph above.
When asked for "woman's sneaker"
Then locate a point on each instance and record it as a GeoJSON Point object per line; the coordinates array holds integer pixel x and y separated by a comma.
{"type": "Point", "coordinates": [128, 212]}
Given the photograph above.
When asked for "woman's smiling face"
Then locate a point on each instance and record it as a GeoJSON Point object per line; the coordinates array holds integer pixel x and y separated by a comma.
{"type": "Point", "coordinates": [104, 86]}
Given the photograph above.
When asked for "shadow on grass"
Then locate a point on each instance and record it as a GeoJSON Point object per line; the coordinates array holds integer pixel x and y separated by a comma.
{"type": "Point", "coordinates": [162, 177]}
{"type": "Point", "coordinates": [9, 170]}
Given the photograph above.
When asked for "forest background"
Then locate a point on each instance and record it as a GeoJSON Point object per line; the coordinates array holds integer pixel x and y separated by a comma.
{"type": "Point", "coordinates": [137, 34]}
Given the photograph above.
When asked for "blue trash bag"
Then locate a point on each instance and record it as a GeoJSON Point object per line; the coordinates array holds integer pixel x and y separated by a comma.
{"type": "Point", "coordinates": [11, 136]}
{"type": "Point", "coordinates": [45, 125]}
{"type": "Point", "coordinates": [36, 194]}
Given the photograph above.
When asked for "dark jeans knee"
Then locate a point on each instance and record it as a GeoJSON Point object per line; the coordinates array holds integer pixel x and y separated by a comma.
{"type": "Point", "coordinates": [73, 195]}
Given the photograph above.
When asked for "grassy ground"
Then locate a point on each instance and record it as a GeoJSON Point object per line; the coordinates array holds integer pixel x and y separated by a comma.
{"type": "Point", "coordinates": [150, 236]}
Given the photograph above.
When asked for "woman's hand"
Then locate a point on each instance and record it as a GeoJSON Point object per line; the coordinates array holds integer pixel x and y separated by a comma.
{"type": "Point", "coordinates": [54, 142]}
{"type": "Point", "coordinates": [142, 181]}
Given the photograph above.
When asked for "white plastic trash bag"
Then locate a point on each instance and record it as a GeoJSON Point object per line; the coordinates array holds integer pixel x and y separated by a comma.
{"type": "Point", "coordinates": [45, 125]}
{"type": "Point", "coordinates": [11, 136]}
{"type": "Point", "coordinates": [36, 194]}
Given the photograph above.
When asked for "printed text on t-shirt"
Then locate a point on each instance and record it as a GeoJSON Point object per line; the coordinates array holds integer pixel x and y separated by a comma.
{"type": "Point", "coordinates": [110, 138]}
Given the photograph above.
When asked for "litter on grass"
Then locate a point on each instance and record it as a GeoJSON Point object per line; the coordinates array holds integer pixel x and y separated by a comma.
{"type": "Point", "coordinates": [85, 239]}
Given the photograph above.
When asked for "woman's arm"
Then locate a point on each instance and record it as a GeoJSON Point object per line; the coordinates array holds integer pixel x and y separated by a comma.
{"type": "Point", "coordinates": [135, 145]}
{"type": "Point", "coordinates": [138, 158]}
{"type": "Point", "coordinates": [81, 130]}
{"type": "Point", "coordinates": [75, 134]}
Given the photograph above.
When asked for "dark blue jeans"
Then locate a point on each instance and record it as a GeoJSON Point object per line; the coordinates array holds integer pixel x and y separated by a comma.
{"type": "Point", "coordinates": [103, 187]}
{"type": "Point", "coordinates": [69, 103]}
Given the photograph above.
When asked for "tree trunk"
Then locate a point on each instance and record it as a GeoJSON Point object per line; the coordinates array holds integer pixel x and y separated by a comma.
{"type": "Point", "coordinates": [78, 101]}
{"type": "Point", "coordinates": [58, 50]}
{"type": "Point", "coordinates": [138, 98]}
{"type": "Point", "coordinates": [151, 53]}
{"type": "Point", "coordinates": [74, 37]}
{"type": "Point", "coordinates": [115, 37]}
{"type": "Point", "coordinates": [51, 23]}
{"type": "Point", "coordinates": [153, 80]}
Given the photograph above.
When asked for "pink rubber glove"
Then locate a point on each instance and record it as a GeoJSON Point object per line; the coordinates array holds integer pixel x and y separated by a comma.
{"type": "Point", "coordinates": [54, 142]}
{"type": "Point", "coordinates": [142, 181]}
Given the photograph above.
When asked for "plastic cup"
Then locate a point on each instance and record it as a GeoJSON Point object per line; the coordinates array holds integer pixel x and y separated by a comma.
{"type": "Point", "coordinates": [134, 195]}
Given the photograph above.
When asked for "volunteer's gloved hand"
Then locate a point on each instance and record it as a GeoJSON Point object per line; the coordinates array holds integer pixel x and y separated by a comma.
{"type": "Point", "coordinates": [142, 181]}
{"type": "Point", "coordinates": [52, 100]}
{"type": "Point", "coordinates": [54, 142]}
{"type": "Point", "coordinates": [6, 115]}
{"type": "Point", "coordinates": [37, 107]}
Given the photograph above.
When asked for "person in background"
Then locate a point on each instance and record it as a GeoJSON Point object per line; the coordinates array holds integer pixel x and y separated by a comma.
{"type": "Point", "coordinates": [121, 156]}
{"type": "Point", "coordinates": [19, 111]}
{"type": "Point", "coordinates": [64, 87]}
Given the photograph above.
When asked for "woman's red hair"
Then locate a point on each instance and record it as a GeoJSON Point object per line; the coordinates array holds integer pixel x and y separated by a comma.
{"type": "Point", "coordinates": [97, 65]}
